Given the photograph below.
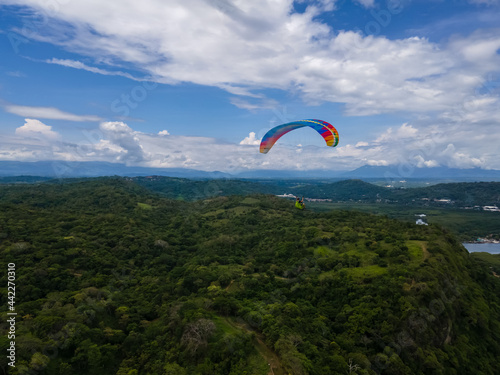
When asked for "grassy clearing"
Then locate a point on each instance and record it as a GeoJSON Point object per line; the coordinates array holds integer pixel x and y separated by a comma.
{"type": "Point", "coordinates": [250, 201]}
{"type": "Point", "coordinates": [265, 361]}
{"type": "Point", "coordinates": [214, 213]}
{"type": "Point", "coordinates": [144, 206]}
{"type": "Point", "coordinates": [418, 250]}
{"type": "Point", "coordinates": [373, 270]}
{"type": "Point", "coordinates": [225, 326]}
{"type": "Point", "coordinates": [362, 252]}
{"type": "Point", "coordinates": [240, 210]}
{"type": "Point", "coordinates": [357, 273]}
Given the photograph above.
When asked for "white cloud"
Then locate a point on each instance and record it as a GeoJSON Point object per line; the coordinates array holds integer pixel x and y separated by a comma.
{"type": "Point", "coordinates": [366, 3]}
{"type": "Point", "coordinates": [105, 149]}
{"type": "Point", "coordinates": [250, 140]}
{"type": "Point", "coordinates": [16, 73]}
{"type": "Point", "coordinates": [459, 159]}
{"type": "Point", "coordinates": [244, 47]}
{"type": "Point", "coordinates": [242, 91]}
{"type": "Point", "coordinates": [47, 113]}
{"type": "Point", "coordinates": [260, 104]}
{"type": "Point", "coordinates": [83, 66]}
{"type": "Point", "coordinates": [408, 147]}
{"type": "Point", "coordinates": [322, 5]}
{"type": "Point", "coordinates": [163, 132]}
{"type": "Point", "coordinates": [475, 110]}
{"type": "Point", "coordinates": [120, 134]}
{"type": "Point", "coordinates": [36, 129]}
{"type": "Point", "coordinates": [404, 131]}
{"type": "Point", "coordinates": [377, 163]}
{"type": "Point", "coordinates": [422, 163]}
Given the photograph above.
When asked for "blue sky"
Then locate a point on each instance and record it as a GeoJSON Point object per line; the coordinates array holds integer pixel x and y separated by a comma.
{"type": "Point", "coordinates": [196, 84]}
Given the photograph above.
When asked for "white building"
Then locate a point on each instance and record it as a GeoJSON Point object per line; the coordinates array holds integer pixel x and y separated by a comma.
{"type": "Point", "coordinates": [491, 208]}
{"type": "Point", "coordinates": [442, 200]}
{"type": "Point", "coordinates": [286, 196]}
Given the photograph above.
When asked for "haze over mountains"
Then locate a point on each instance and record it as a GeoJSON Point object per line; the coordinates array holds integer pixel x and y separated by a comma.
{"type": "Point", "coordinates": [63, 169]}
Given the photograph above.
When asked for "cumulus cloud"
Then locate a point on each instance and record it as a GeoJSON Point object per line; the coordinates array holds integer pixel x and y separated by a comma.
{"type": "Point", "coordinates": [425, 146]}
{"type": "Point", "coordinates": [460, 159]}
{"type": "Point", "coordinates": [47, 113]}
{"type": "Point", "coordinates": [407, 146]}
{"type": "Point", "coordinates": [163, 132]}
{"type": "Point", "coordinates": [127, 139]}
{"type": "Point", "coordinates": [420, 162]}
{"type": "Point", "coordinates": [245, 47]}
{"type": "Point", "coordinates": [250, 140]}
{"type": "Point", "coordinates": [36, 129]}
{"type": "Point", "coordinates": [404, 131]}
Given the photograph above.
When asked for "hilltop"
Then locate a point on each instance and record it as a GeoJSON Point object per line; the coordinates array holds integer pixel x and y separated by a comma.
{"type": "Point", "coordinates": [114, 279]}
{"type": "Point", "coordinates": [456, 206]}
{"type": "Point", "coordinates": [459, 194]}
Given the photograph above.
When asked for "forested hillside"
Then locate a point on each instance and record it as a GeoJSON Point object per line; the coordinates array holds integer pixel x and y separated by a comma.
{"type": "Point", "coordinates": [460, 194]}
{"type": "Point", "coordinates": [113, 279]}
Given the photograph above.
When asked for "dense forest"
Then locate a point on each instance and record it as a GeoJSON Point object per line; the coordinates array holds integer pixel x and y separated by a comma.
{"type": "Point", "coordinates": [460, 194]}
{"type": "Point", "coordinates": [112, 278]}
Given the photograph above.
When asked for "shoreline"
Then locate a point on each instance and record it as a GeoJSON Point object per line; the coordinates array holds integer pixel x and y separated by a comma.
{"type": "Point", "coordinates": [481, 242]}
{"type": "Point", "coordinates": [479, 247]}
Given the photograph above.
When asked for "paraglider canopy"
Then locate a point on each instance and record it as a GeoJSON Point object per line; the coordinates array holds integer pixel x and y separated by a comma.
{"type": "Point", "coordinates": [326, 130]}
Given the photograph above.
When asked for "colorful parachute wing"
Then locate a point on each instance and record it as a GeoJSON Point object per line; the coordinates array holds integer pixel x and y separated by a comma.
{"type": "Point", "coordinates": [326, 130]}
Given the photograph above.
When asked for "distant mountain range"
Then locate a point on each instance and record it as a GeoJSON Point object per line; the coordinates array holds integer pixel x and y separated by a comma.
{"type": "Point", "coordinates": [62, 169]}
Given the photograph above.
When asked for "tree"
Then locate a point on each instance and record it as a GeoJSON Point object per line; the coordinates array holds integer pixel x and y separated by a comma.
{"type": "Point", "coordinates": [352, 367]}
{"type": "Point", "coordinates": [174, 369]}
{"type": "Point", "coordinates": [39, 361]}
{"type": "Point", "coordinates": [196, 335]}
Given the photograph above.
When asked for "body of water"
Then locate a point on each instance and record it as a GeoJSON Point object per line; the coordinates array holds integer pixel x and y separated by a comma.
{"type": "Point", "coordinates": [492, 248]}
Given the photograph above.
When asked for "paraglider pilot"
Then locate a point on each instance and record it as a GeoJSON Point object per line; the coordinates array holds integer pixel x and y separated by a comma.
{"type": "Point", "coordinates": [299, 203]}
